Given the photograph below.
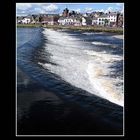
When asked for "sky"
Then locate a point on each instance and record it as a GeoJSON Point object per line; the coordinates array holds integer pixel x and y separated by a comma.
{"type": "Point", "coordinates": [23, 9]}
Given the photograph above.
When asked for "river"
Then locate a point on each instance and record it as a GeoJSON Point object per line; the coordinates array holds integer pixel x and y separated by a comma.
{"type": "Point", "coordinates": [65, 70]}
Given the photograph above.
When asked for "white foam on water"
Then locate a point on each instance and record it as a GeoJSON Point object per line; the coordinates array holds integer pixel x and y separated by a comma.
{"type": "Point", "coordinates": [85, 69]}
{"type": "Point", "coordinates": [98, 70]}
{"type": "Point", "coordinates": [99, 43]}
{"type": "Point", "coordinates": [118, 36]}
{"type": "Point", "coordinates": [105, 85]}
{"type": "Point", "coordinates": [91, 33]}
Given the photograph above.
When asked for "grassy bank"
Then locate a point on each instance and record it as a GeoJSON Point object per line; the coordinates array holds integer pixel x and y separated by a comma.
{"type": "Point", "coordinates": [79, 28]}
{"type": "Point", "coordinates": [88, 28]}
{"type": "Point", "coordinates": [28, 26]}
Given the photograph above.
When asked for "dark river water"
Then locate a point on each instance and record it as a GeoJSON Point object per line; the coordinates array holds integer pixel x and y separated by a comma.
{"type": "Point", "coordinates": [69, 82]}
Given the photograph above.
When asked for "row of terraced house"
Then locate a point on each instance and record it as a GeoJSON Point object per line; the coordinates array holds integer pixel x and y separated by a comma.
{"type": "Point", "coordinates": [111, 19]}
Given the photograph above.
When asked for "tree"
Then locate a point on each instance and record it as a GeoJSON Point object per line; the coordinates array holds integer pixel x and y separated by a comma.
{"type": "Point", "coordinates": [34, 17]}
{"type": "Point", "coordinates": [106, 22]}
{"type": "Point", "coordinates": [40, 19]}
{"type": "Point", "coordinates": [80, 19]}
{"type": "Point", "coordinates": [117, 20]}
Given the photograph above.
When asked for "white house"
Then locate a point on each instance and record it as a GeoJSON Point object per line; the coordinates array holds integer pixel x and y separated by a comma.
{"type": "Point", "coordinates": [65, 21]}
{"type": "Point", "coordinates": [85, 15]}
{"type": "Point", "coordinates": [26, 20]}
{"type": "Point", "coordinates": [61, 21]}
{"type": "Point", "coordinates": [86, 21]}
{"type": "Point", "coordinates": [78, 22]}
{"type": "Point", "coordinates": [94, 21]}
{"type": "Point", "coordinates": [69, 21]}
{"type": "Point", "coordinates": [102, 20]}
{"type": "Point", "coordinates": [105, 19]}
{"type": "Point", "coordinates": [112, 17]}
{"type": "Point", "coordinates": [19, 19]}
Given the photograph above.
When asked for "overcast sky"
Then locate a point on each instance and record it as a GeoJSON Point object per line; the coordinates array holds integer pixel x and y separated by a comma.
{"type": "Point", "coordinates": [41, 8]}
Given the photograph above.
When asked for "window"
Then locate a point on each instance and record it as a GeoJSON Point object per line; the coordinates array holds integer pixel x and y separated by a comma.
{"type": "Point", "coordinates": [99, 19]}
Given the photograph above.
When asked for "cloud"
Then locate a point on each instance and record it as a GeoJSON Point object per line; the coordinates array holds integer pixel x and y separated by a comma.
{"type": "Point", "coordinates": [101, 10]}
{"type": "Point", "coordinates": [50, 8]}
{"type": "Point", "coordinates": [38, 10]}
{"type": "Point", "coordinates": [88, 10]}
{"type": "Point", "coordinates": [78, 10]}
{"type": "Point", "coordinates": [118, 4]}
{"type": "Point", "coordinates": [109, 9]}
{"type": "Point", "coordinates": [23, 6]}
{"type": "Point", "coordinates": [122, 10]}
{"type": "Point", "coordinates": [120, 7]}
{"type": "Point", "coordinates": [35, 8]}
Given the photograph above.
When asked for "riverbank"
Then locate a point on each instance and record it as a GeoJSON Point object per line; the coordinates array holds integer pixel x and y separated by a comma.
{"type": "Point", "coordinates": [78, 28]}
{"type": "Point", "coordinates": [28, 26]}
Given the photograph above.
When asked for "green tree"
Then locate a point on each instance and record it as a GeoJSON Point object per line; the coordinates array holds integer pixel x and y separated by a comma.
{"type": "Point", "coordinates": [40, 19]}
{"type": "Point", "coordinates": [80, 19]}
{"type": "Point", "coordinates": [106, 22]}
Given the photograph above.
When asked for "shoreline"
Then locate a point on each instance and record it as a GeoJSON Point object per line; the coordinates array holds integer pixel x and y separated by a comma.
{"type": "Point", "coordinates": [75, 28]}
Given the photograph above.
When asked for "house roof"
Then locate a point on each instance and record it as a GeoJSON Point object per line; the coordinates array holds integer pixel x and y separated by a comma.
{"type": "Point", "coordinates": [103, 16]}
{"type": "Point", "coordinates": [28, 17]}
{"type": "Point", "coordinates": [94, 18]}
{"type": "Point", "coordinates": [54, 15]}
{"type": "Point", "coordinates": [71, 17]}
{"type": "Point", "coordinates": [45, 18]}
{"type": "Point", "coordinates": [87, 18]}
{"type": "Point", "coordinates": [112, 14]}
{"type": "Point", "coordinates": [20, 18]}
{"type": "Point", "coordinates": [61, 18]}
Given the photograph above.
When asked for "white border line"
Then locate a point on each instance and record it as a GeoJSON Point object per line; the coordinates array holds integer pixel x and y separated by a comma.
{"type": "Point", "coordinates": [123, 82]}
{"type": "Point", "coordinates": [124, 67]}
{"type": "Point", "coordinates": [16, 74]}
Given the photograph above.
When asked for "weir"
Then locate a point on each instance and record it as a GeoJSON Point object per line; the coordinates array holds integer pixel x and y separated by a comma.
{"type": "Point", "coordinates": [106, 113]}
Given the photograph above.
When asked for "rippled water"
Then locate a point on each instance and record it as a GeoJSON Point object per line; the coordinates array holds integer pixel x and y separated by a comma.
{"type": "Point", "coordinates": [60, 77]}
{"type": "Point", "coordinates": [86, 63]}
{"type": "Point", "coordinates": [25, 34]}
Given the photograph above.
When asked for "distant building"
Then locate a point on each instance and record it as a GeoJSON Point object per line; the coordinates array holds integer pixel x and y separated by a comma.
{"type": "Point", "coordinates": [23, 20]}
{"type": "Point", "coordinates": [72, 13]}
{"type": "Point", "coordinates": [112, 17]}
{"type": "Point", "coordinates": [75, 21]}
{"type": "Point", "coordinates": [61, 21]}
{"type": "Point", "coordinates": [86, 21]}
{"type": "Point", "coordinates": [94, 21]}
{"type": "Point", "coordinates": [65, 12]}
{"type": "Point", "coordinates": [85, 15]}
{"type": "Point", "coordinates": [119, 21]}
{"type": "Point", "coordinates": [50, 20]}
{"type": "Point", "coordinates": [32, 17]}
{"type": "Point", "coordinates": [97, 14]}
{"type": "Point", "coordinates": [103, 20]}
{"type": "Point", "coordinates": [109, 19]}
{"type": "Point", "coordinates": [19, 19]}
